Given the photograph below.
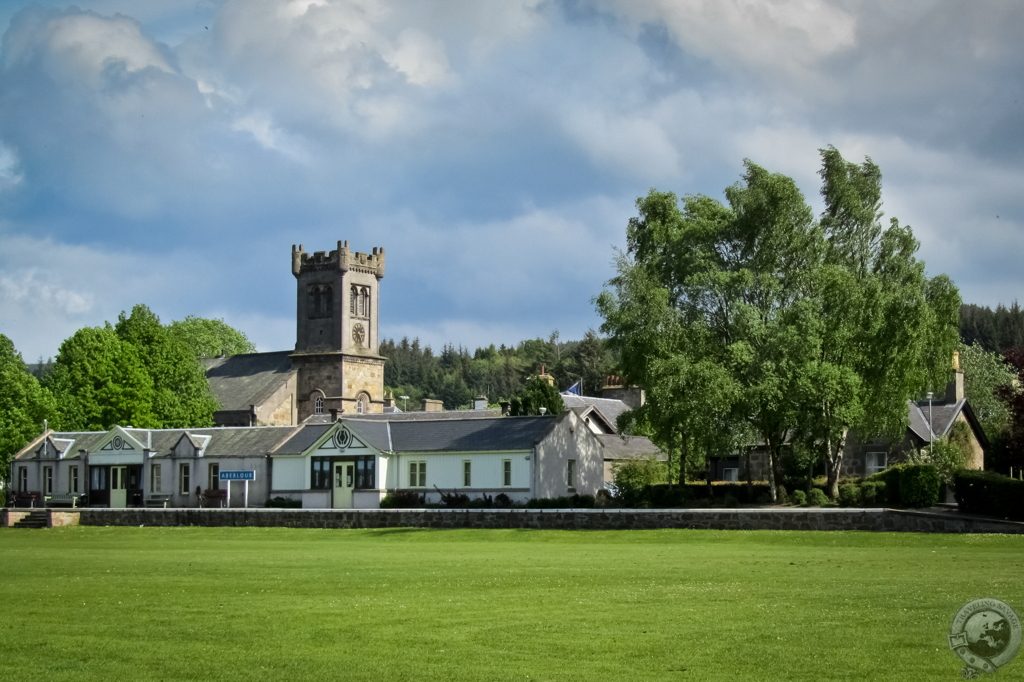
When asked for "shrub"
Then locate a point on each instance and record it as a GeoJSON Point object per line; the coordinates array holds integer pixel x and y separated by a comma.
{"type": "Point", "coordinates": [798, 498]}
{"type": "Point", "coordinates": [817, 498]}
{"type": "Point", "coordinates": [872, 493]}
{"type": "Point", "coordinates": [730, 501]}
{"type": "Point", "coordinates": [402, 499]}
{"type": "Point", "coordinates": [920, 485]}
{"type": "Point", "coordinates": [849, 495]}
{"type": "Point", "coordinates": [989, 494]}
{"type": "Point", "coordinates": [890, 478]}
{"type": "Point", "coordinates": [502, 500]}
{"type": "Point", "coordinates": [634, 476]}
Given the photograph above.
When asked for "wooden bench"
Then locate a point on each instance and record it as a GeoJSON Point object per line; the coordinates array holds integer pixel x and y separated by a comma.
{"type": "Point", "coordinates": [26, 498]}
{"type": "Point", "coordinates": [158, 500]}
{"type": "Point", "coordinates": [63, 500]}
{"type": "Point", "coordinates": [213, 498]}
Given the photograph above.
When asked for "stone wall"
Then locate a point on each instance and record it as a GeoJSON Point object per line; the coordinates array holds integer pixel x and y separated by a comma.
{"type": "Point", "coordinates": [560, 519]}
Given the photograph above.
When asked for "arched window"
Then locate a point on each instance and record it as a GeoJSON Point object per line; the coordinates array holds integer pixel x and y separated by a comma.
{"type": "Point", "coordinates": [364, 302]}
{"type": "Point", "coordinates": [352, 298]}
{"type": "Point", "coordinates": [318, 405]}
{"type": "Point", "coordinates": [362, 403]}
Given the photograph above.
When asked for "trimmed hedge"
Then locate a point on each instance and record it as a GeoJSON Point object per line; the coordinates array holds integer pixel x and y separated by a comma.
{"type": "Point", "coordinates": [989, 494]}
{"type": "Point", "coordinates": [920, 485]}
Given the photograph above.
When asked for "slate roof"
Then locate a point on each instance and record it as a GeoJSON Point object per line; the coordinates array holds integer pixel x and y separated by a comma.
{"type": "Point", "coordinates": [432, 416]}
{"type": "Point", "coordinates": [614, 446]}
{"type": "Point", "coordinates": [470, 435]}
{"type": "Point", "coordinates": [239, 381]}
{"type": "Point", "coordinates": [943, 416]}
{"type": "Point", "coordinates": [228, 441]}
{"type": "Point", "coordinates": [609, 408]}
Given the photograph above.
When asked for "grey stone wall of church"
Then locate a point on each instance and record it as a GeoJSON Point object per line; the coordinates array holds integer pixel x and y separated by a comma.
{"type": "Point", "coordinates": [560, 519]}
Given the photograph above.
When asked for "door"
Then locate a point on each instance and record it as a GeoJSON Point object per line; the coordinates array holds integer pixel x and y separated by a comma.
{"type": "Point", "coordinates": [344, 481]}
{"type": "Point", "coordinates": [118, 487]}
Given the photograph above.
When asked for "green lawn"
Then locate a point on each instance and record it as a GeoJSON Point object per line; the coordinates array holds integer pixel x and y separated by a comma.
{"type": "Point", "coordinates": [280, 604]}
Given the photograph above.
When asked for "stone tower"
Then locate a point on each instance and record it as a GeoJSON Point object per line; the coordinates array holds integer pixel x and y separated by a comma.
{"type": "Point", "coordinates": [337, 345]}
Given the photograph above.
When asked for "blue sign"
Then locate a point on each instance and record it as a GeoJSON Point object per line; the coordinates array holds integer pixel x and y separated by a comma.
{"type": "Point", "coordinates": [240, 475]}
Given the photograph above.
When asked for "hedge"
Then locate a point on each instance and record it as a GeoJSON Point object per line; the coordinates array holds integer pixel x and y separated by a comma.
{"type": "Point", "coordinates": [989, 494]}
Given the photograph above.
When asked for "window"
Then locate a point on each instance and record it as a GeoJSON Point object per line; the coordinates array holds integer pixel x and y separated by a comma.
{"type": "Point", "coordinates": [365, 470]}
{"type": "Point", "coordinates": [23, 479]}
{"type": "Point", "coordinates": [417, 474]}
{"type": "Point", "coordinates": [467, 473]}
{"type": "Point", "coordinates": [98, 478]}
{"type": "Point", "coordinates": [318, 405]}
{"type": "Point", "coordinates": [183, 477]}
{"type": "Point", "coordinates": [214, 476]}
{"type": "Point", "coordinates": [47, 480]}
{"type": "Point", "coordinates": [320, 478]}
{"type": "Point", "coordinates": [874, 462]}
{"type": "Point", "coordinates": [506, 472]}
{"type": "Point", "coordinates": [570, 474]}
{"type": "Point", "coordinates": [730, 474]}
{"type": "Point", "coordinates": [359, 301]}
{"type": "Point", "coordinates": [154, 478]}
{"type": "Point", "coordinates": [73, 480]}
{"type": "Point", "coordinates": [362, 403]}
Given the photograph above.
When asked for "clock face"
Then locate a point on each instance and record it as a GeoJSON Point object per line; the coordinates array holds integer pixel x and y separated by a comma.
{"type": "Point", "coordinates": [358, 334]}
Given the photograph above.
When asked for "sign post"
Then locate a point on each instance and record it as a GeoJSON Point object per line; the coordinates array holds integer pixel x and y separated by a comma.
{"type": "Point", "coordinates": [245, 475]}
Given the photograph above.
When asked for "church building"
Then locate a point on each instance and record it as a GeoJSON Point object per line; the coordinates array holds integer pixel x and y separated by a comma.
{"type": "Point", "coordinates": [335, 368]}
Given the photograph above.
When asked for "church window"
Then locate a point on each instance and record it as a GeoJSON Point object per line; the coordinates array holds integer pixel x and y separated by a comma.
{"type": "Point", "coordinates": [318, 405]}
{"type": "Point", "coordinates": [353, 298]}
{"type": "Point", "coordinates": [362, 403]}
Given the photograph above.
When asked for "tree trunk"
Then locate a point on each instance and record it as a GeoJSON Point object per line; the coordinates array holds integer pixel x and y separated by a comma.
{"type": "Point", "coordinates": [835, 463]}
{"type": "Point", "coordinates": [771, 469]}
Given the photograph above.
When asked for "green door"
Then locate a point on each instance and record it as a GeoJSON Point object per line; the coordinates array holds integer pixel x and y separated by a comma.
{"type": "Point", "coordinates": [344, 481]}
{"type": "Point", "coordinates": [118, 487]}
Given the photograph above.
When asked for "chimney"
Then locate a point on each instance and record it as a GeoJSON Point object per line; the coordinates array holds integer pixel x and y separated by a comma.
{"type": "Point", "coordinates": [955, 389]}
{"type": "Point", "coordinates": [334, 414]}
{"type": "Point", "coordinates": [431, 405]}
{"type": "Point", "coordinates": [389, 400]}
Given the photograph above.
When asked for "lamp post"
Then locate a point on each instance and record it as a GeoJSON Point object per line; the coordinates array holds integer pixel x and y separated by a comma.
{"type": "Point", "coordinates": [931, 427]}
{"type": "Point", "coordinates": [405, 402]}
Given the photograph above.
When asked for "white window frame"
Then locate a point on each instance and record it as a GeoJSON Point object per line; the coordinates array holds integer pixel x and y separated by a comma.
{"type": "Point", "coordinates": [155, 478]}
{"type": "Point", "coordinates": [467, 473]}
{"type": "Point", "coordinates": [73, 480]}
{"type": "Point", "coordinates": [184, 478]}
{"type": "Point", "coordinates": [506, 473]}
{"type": "Point", "coordinates": [318, 405]}
{"type": "Point", "coordinates": [418, 474]}
{"type": "Point", "coordinates": [48, 480]}
{"type": "Point", "coordinates": [870, 461]}
{"type": "Point", "coordinates": [213, 475]}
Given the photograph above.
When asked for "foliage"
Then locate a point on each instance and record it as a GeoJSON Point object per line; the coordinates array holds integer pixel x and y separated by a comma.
{"type": "Point", "coordinates": [632, 476]}
{"type": "Point", "coordinates": [798, 498]}
{"type": "Point", "coordinates": [872, 493]}
{"type": "Point", "coordinates": [1012, 444]}
{"type": "Point", "coordinates": [986, 377]}
{"type": "Point", "coordinates": [24, 404]}
{"type": "Point", "coordinates": [920, 485]}
{"type": "Point", "coordinates": [402, 499]}
{"type": "Point", "coordinates": [996, 331]}
{"type": "Point", "coordinates": [567, 502]}
{"type": "Point", "coordinates": [849, 495]}
{"type": "Point", "coordinates": [990, 494]}
{"type": "Point", "coordinates": [947, 455]}
{"type": "Point", "coordinates": [181, 394]}
{"type": "Point", "coordinates": [816, 497]}
{"type": "Point", "coordinates": [98, 381]}
{"type": "Point", "coordinates": [537, 397]}
{"type": "Point", "coordinates": [283, 503]}
{"type": "Point", "coordinates": [756, 314]}
{"type": "Point", "coordinates": [210, 338]}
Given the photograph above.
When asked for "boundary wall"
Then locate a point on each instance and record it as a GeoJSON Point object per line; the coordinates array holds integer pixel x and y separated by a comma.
{"type": "Point", "coordinates": [892, 520]}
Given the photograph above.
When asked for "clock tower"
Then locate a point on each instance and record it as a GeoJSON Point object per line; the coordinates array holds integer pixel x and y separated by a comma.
{"type": "Point", "coordinates": [337, 346]}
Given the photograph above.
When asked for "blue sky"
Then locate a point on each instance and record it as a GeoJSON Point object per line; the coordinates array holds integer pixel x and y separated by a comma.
{"type": "Point", "coordinates": [171, 152]}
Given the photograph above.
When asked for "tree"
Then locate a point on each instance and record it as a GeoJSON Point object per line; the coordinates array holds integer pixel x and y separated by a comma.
{"type": "Point", "coordinates": [24, 404]}
{"type": "Point", "coordinates": [210, 338]}
{"type": "Point", "coordinates": [986, 374]}
{"type": "Point", "coordinates": [537, 397]}
{"type": "Point", "coordinates": [98, 381]}
{"type": "Point", "coordinates": [181, 394]}
{"type": "Point", "coordinates": [755, 313]}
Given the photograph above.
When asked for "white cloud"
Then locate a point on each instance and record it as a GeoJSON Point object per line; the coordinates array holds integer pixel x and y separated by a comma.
{"type": "Point", "coordinates": [10, 171]}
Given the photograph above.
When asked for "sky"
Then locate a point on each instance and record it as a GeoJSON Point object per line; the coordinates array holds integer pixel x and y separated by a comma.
{"type": "Point", "coordinates": [171, 152]}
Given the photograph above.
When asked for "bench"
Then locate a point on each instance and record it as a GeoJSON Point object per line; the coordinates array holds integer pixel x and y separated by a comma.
{"type": "Point", "coordinates": [25, 498]}
{"type": "Point", "coordinates": [158, 500]}
{"type": "Point", "coordinates": [63, 500]}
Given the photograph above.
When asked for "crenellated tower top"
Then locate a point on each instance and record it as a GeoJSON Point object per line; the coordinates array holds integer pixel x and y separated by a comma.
{"type": "Point", "coordinates": [342, 260]}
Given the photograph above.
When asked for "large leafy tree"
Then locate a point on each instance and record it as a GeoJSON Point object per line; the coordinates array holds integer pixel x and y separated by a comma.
{"type": "Point", "coordinates": [181, 394]}
{"type": "Point", "coordinates": [210, 338]}
{"type": "Point", "coordinates": [24, 404]}
{"type": "Point", "coordinates": [755, 315]}
{"type": "Point", "coordinates": [98, 381]}
{"type": "Point", "coordinates": [537, 397]}
{"type": "Point", "coordinates": [988, 381]}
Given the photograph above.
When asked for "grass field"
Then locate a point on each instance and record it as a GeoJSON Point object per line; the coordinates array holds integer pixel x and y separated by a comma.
{"type": "Point", "coordinates": [258, 603]}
